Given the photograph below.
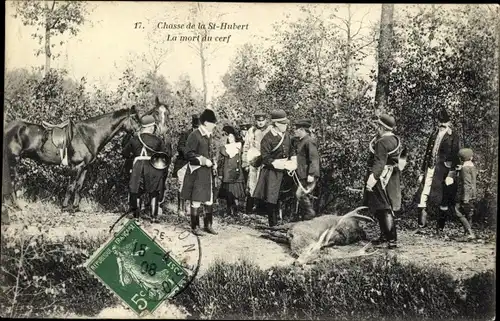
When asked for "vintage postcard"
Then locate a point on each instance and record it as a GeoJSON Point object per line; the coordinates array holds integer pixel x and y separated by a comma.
{"type": "Point", "coordinates": [216, 160]}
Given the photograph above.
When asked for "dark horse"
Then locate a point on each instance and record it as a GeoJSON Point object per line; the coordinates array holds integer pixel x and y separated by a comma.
{"type": "Point", "coordinates": [89, 136]}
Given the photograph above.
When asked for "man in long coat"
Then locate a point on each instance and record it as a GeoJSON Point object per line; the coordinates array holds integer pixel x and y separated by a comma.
{"type": "Point", "coordinates": [198, 185]}
{"type": "Point", "coordinates": [307, 167]}
{"type": "Point", "coordinates": [144, 177]}
{"type": "Point", "coordinates": [437, 181]}
{"type": "Point", "coordinates": [382, 192]}
{"type": "Point", "coordinates": [275, 149]}
{"type": "Point", "coordinates": [180, 164]}
{"type": "Point", "coordinates": [251, 163]}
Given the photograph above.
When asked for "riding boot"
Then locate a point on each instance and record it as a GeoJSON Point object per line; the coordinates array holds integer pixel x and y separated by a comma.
{"type": "Point", "coordinates": [422, 217]}
{"type": "Point", "coordinates": [195, 222]}
{"type": "Point", "coordinates": [249, 205]}
{"type": "Point", "coordinates": [272, 216]}
{"type": "Point", "coordinates": [208, 220]}
{"type": "Point", "coordinates": [441, 221]}
{"type": "Point", "coordinates": [154, 209]}
{"type": "Point", "coordinates": [134, 203]}
{"type": "Point", "coordinates": [390, 228]}
{"type": "Point", "coordinates": [179, 203]}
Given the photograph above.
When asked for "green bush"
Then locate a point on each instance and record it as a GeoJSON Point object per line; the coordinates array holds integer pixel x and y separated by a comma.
{"type": "Point", "coordinates": [41, 278]}
{"type": "Point", "coordinates": [354, 289]}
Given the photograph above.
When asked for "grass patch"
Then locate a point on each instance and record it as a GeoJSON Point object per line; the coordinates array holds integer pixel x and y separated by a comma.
{"type": "Point", "coordinates": [353, 289]}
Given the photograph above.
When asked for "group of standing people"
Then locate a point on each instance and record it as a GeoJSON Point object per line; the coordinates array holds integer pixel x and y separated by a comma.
{"type": "Point", "coordinates": [447, 180]}
{"type": "Point", "coordinates": [252, 167]}
{"type": "Point", "coordinates": [259, 162]}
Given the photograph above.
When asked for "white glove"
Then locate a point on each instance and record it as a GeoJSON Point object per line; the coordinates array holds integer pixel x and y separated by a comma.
{"type": "Point", "coordinates": [420, 178]}
{"type": "Point", "coordinates": [448, 181]}
{"type": "Point", "coordinates": [278, 164]}
{"type": "Point", "coordinates": [370, 183]}
{"type": "Point", "coordinates": [208, 163]}
{"type": "Point", "coordinates": [310, 179]}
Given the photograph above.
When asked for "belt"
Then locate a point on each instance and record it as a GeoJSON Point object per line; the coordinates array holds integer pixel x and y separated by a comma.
{"type": "Point", "coordinates": [141, 158]}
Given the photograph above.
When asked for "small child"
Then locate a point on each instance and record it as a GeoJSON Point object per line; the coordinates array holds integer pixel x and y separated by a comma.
{"type": "Point", "coordinates": [230, 171]}
{"type": "Point", "coordinates": [467, 175]}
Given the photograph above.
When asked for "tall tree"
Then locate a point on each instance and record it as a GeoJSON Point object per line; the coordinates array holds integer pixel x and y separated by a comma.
{"type": "Point", "coordinates": [384, 57]}
{"type": "Point", "coordinates": [203, 15]}
{"type": "Point", "coordinates": [59, 17]}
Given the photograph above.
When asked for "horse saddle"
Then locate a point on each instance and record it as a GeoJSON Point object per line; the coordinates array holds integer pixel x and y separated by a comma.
{"type": "Point", "coordinates": [61, 135]}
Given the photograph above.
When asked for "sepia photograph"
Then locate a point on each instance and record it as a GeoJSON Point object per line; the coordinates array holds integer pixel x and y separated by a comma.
{"type": "Point", "coordinates": [249, 160]}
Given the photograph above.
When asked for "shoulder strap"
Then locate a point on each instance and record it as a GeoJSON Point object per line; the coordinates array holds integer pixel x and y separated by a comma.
{"type": "Point", "coordinates": [145, 146]}
{"type": "Point", "coordinates": [279, 144]}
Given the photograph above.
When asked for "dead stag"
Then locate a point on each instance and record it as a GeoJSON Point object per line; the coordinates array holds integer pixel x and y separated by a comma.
{"type": "Point", "coordinates": [306, 238]}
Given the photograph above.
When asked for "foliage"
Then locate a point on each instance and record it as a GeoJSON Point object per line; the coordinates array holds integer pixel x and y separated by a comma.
{"type": "Point", "coordinates": [441, 58]}
{"type": "Point", "coordinates": [55, 98]}
{"type": "Point", "coordinates": [42, 278]}
{"type": "Point", "coordinates": [52, 17]}
{"type": "Point", "coordinates": [446, 58]}
{"type": "Point", "coordinates": [354, 289]}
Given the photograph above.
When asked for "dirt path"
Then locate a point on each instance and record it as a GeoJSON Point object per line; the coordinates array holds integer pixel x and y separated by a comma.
{"type": "Point", "coordinates": [235, 242]}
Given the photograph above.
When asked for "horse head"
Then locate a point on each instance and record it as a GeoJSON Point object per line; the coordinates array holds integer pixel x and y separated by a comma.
{"type": "Point", "coordinates": [162, 114]}
{"type": "Point", "coordinates": [132, 122]}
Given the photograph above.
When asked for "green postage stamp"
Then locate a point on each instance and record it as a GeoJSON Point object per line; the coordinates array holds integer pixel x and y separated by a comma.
{"type": "Point", "coordinates": [139, 270]}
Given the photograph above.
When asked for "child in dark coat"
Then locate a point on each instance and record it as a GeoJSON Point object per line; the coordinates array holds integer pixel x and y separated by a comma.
{"type": "Point", "coordinates": [467, 175]}
{"type": "Point", "coordinates": [230, 171]}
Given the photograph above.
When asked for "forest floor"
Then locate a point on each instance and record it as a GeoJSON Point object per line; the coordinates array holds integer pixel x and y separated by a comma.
{"type": "Point", "coordinates": [237, 239]}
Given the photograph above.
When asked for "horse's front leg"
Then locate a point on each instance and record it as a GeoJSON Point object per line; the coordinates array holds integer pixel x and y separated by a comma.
{"type": "Point", "coordinates": [79, 183]}
{"type": "Point", "coordinates": [71, 190]}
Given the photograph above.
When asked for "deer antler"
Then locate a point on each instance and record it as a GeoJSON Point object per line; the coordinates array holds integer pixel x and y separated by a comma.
{"type": "Point", "coordinates": [325, 237]}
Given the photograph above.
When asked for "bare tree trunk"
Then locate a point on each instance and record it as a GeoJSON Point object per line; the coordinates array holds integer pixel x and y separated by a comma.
{"type": "Point", "coordinates": [348, 56]}
{"type": "Point", "coordinates": [384, 57]}
{"type": "Point", "coordinates": [203, 74]}
{"type": "Point", "coordinates": [47, 38]}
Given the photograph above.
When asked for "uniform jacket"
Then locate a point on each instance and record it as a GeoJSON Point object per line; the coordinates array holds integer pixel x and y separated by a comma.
{"type": "Point", "coordinates": [444, 163]}
{"type": "Point", "coordinates": [230, 168]}
{"type": "Point", "coordinates": [142, 170]}
{"type": "Point", "coordinates": [384, 153]}
{"type": "Point", "coordinates": [270, 179]}
{"type": "Point", "coordinates": [181, 160]}
{"type": "Point", "coordinates": [253, 139]}
{"type": "Point", "coordinates": [197, 184]}
{"type": "Point", "coordinates": [307, 158]}
{"type": "Point", "coordinates": [467, 182]}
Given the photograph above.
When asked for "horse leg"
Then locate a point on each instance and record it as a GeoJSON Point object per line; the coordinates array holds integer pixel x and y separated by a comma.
{"type": "Point", "coordinates": [14, 181]}
{"type": "Point", "coordinates": [80, 179]}
{"type": "Point", "coordinates": [71, 191]}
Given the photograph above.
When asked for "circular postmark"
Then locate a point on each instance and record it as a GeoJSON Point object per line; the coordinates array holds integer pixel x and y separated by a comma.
{"type": "Point", "coordinates": [145, 264]}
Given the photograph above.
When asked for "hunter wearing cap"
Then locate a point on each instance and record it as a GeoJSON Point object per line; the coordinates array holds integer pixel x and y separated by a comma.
{"type": "Point", "coordinates": [199, 178]}
{"type": "Point", "coordinates": [437, 178]}
{"type": "Point", "coordinates": [307, 167]}
{"type": "Point", "coordinates": [144, 177]}
{"type": "Point", "coordinates": [181, 162]}
{"type": "Point", "coordinates": [382, 192]}
{"type": "Point", "coordinates": [251, 157]}
{"type": "Point", "coordinates": [275, 149]}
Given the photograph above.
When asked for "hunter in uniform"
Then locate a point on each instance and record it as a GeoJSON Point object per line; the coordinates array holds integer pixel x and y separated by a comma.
{"type": "Point", "coordinates": [307, 167]}
{"type": "Point", "coordinates": [198, 185]}
{"type": "Point", "coordinates": [252, 162]}
{"type": "Point", "coordinates": [144, 177]}
{"type": "Point", "coordinates": [382, 192]}
{"type": "Point", "coordinates": [275, 149]}
{"type": "Point", "coordinates": [437, 179]}
{"type": "Point", "coordinates": [181, 162]}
